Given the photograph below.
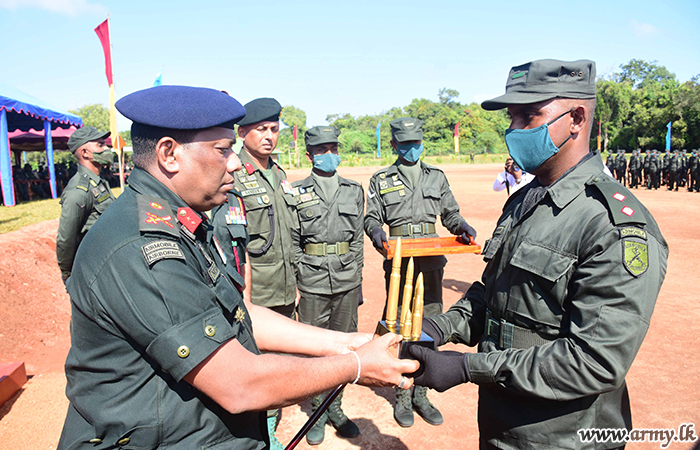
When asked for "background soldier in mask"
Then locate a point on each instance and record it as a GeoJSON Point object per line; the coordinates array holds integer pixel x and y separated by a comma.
{"type": "Point", "coordinates": [328, 247]}
{"type": "Point", "coordinates": [86, 196]}
{"type": "Point", "coordinates": [573, 270]}
{"type": "Point", "coordinates": [408, 196]}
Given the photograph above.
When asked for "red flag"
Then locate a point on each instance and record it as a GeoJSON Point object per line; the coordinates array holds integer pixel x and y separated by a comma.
{"type": "Point", "coordinates": [102, 31]}
{"type": "Point", "coordinates": [295, 132]}
{"type": "Point", "coordinates": [457, 130]}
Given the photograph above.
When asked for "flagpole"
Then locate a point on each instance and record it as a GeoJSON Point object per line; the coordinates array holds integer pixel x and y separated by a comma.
{"type": "Point", "coordinates": [112, 94]}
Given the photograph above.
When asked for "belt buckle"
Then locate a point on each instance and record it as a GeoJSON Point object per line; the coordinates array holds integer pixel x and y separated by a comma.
{"type": "Point", "coordinates": [331, 249]}
{"type": "Point", "coordinates": [416, 229]}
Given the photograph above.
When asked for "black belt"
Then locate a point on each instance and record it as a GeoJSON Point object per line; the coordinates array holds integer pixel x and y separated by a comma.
{"type": "Point", "coordinates": [508, 335]}
{"type": "Point", "coordinates": [410, 229]}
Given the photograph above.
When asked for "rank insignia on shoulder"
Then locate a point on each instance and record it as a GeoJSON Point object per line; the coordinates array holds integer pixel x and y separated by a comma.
{"type": "Point", "coordinates": [240, 314]}
{"type": "Point", "coordinates": [635, 256]}
{"type": "Point", "coordinates": [154, 215]}
{"type": "Point", "coordinates": [163, 249]}
{"type": "Point", "coordinates": [188, 218]}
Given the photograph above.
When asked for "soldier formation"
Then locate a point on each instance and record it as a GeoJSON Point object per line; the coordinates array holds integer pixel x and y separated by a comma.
{"type": "Point", "coordinates": [652, 169]}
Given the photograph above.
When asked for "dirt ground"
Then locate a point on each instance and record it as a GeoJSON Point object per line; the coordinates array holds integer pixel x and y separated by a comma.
{"type": "Point", "coordinates": [663, 381]}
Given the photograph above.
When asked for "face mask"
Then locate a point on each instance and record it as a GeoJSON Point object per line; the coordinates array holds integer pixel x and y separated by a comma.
{"type": "Point", "coordinates": [410, 151]}
{"type": "Point", "coordinates": [531, 148]}
{"type": "Point", "coordinates": [104, 158]}
{"type": "Point", "coordinates": [326, 162]}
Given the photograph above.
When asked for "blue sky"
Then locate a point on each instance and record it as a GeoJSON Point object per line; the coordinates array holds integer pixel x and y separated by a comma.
{"type": "Point", "coordinates": [358, 57]}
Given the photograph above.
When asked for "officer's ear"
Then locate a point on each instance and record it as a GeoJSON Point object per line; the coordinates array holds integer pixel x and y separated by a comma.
{"type": "Point", "coordinates": [393, 144]}
{"type": "Point", "coordinates": [310, 157]}
{"type": "Point", "coordinates": [167, 155]}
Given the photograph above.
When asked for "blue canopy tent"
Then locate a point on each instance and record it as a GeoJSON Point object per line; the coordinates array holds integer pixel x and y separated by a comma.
{"type": "Point", "coordinates": [20, 111]}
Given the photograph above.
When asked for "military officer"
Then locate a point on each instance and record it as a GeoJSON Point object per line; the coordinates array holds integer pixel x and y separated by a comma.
{"type": "Point", "coordinates": [621, 167]}
{"type": "Point", "coordinates": [635, 168]}
{"type": "Point", "coordinates": [86, 195]}
{"type": "Point", "coordinates": [165, 351]}
{"type": "Point", "coordinates": [573, 270]}
{"type": "Point", "coordinates": [266, 197]}
{"type": "Point", "coordinates": [328, 246]}
{"type": "Point", "coordinates": [408, 196]}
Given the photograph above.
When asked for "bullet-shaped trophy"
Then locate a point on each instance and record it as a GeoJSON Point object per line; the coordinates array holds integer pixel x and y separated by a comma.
{"type": "Point", "coordinates": [411, 318]}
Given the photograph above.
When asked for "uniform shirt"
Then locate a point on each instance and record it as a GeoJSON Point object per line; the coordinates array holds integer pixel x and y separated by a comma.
{"type": "Point", "coordinates": [149, 303]}
{"type": "Point", "coordinates": [582, 269]}
{"type": "Point", "coordinates": [83, 200]}
{"type": "Point", "coordinates": [329, 220]}
{"type": "Point", "coordinates": [392, 200]}
{"type": "Point", "coordinates": [271, 264]}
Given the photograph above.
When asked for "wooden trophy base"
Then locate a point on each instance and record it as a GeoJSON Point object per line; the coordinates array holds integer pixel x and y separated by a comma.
{"type": "Point", "coordinates": [402, 348]}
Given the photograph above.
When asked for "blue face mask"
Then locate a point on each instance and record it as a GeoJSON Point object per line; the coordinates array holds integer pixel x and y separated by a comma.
{"type": "Point", "coordinates": [326, 162]}
{"type": "Point", "coordinates": [410, 151]}
{"type": "Point", "coordinates": [531, 148]}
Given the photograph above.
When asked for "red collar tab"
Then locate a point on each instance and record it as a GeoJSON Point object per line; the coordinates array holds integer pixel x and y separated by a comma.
{"type": "Point", "coordinates": [188, 218]}
{"type": "Point", "coordinates": [249, 168]}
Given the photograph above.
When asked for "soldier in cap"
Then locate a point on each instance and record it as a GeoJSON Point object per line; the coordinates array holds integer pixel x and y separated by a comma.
{"type": "Point", "coordinates": [572, 273]}
{"type": "Point", "coordinates": [165, 351]}
{"type": "Point", "coordinates": [266, 197]}
{"type": "Point", "coordinates": [86, 195]}
{"type": "Point", "coordinates": [408, 196]}
{"type": "Point", "coordinates": [328, 246]}
{"type": "Point", "coordinates": [621, 167]}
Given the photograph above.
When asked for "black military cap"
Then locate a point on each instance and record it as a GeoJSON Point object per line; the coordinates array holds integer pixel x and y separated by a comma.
{"type": "Point", "coordinates": [321, 135]}
{"type": "Point", "coordinates": [181, 108]}
{"type": "Point", "coordinates": [83, 135]}
{"type": "Point", "coordinates": [261, 110]}
{"type": "Point", "coordinates": [406, 129]}
{"type": "Point", "coordinates": [546, 79]}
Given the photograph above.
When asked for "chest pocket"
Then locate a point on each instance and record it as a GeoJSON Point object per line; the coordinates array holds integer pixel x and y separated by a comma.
{"type": "Point", "coordinates": [432, 200]}
{"type": "Point", "coordinates": [545, 262]}
{"type": "Point", "coordinates": [310, 220]}
{"type": "Point", "coordinates": [258, 216]}
{"type": "Point", "coordinates": [349, 215]}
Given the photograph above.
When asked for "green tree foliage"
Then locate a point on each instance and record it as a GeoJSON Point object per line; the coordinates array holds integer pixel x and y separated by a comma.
{"type": "Point", "coordinates": [635, 104]}
{"type": "Point", "coordinates": [95, 115]}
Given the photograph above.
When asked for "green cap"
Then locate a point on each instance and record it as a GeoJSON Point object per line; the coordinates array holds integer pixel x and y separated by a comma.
{"type": "Point", "coordinates": [546, 79]}
{"type": "Point", "coordinates": [406, 129]}
{"type": "Point", "coordinates": [321, 135]}
{"type": "Point", "coordinates": [83, 135]}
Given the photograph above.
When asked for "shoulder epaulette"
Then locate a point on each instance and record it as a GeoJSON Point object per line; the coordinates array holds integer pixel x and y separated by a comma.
{"type": "Point", "coordinates": [83, 183]}
{"type": "Point", "coordinates": [155, 215]}
{"type": "Point", "coordinates": [623, 206]}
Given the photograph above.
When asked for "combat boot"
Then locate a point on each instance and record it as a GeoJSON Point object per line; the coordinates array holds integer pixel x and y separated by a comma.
{"type": "Point", "coordinates": [271, 428]}
{"type": "Point", "coordinates": [318, 430]}
{"type": "Point", "coordinates": [345, 427]}
{"type": "Point", "coordinates": [403, 410]}
{"type": "Point", "coordinates": [423, 406]}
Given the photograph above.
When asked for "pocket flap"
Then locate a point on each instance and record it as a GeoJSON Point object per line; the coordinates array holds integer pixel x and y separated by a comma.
{"type": "Point", "coordinates": [546, 262]}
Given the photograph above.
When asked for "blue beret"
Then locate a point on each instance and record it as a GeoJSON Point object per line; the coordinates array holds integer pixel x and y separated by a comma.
{"type": "Point", "coordinates": [261, 110]}
{"type": "Point", "coordinates": [181, 108]}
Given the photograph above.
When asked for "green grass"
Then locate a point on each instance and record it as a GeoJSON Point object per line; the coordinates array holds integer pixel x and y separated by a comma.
{"type": "Point", "coordinates": [13, 218]}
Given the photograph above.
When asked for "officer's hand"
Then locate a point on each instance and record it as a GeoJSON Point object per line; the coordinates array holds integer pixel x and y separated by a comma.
{"type": "Point", "coordinates": [379, 365]}
{"type": "Point", "coordinates": [432, 330]}
{"type": "Point", "coordinates": [378, 239]}
{"type": "Point", "coordinates": [354, 341]}
{"type": "Point", "coordinates": [439, 370]}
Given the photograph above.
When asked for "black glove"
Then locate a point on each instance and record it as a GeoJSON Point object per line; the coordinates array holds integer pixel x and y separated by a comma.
{"type": "Point", "coordinates": [433, 331]}
{"type": "Point", "coordinates": [439, 370]}
{"type": "Point", "coordinates": [465, 228]}
{"type": "Point", "coordinates": [378, 237]}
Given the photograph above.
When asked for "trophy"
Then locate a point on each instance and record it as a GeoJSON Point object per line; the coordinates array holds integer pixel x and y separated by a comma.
{"type": "Point", "coordinates": [411, 317]}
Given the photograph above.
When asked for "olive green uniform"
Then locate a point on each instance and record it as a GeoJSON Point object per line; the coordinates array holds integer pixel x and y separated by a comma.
{"type": "Point", "coordinates": [229, 221]}
{"type": "Point", "coordinates": [411, 212]}
{"type": "Point", "coordinates": [573, 271]}
{"type": "Point", "coordinates": [149, 303]}
{"type": "Point", "coordinates": [83, 200]}
{"type": "Point", "coordinates": [328, 247]}
{"type": "Point", "coordinates": [269, 211]}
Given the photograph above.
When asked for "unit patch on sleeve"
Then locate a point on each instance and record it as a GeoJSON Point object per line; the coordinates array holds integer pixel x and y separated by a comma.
{"type": "Point", "coordinates": [635, 256]}
{"type": "Point", "coordinates": [163, 249]}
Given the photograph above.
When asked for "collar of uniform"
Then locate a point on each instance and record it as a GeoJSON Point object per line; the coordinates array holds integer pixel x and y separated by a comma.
{"type": "Point", "coordinates": [573, 182]}
{"type": "Point", "coordinates": [85, 171]}
{"type": "Point", "coordinates": [144, 183]}
{"type": "Point", "coordinates": [395, 166]}
{"type": "Point", "coordinates": [247, 159]}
